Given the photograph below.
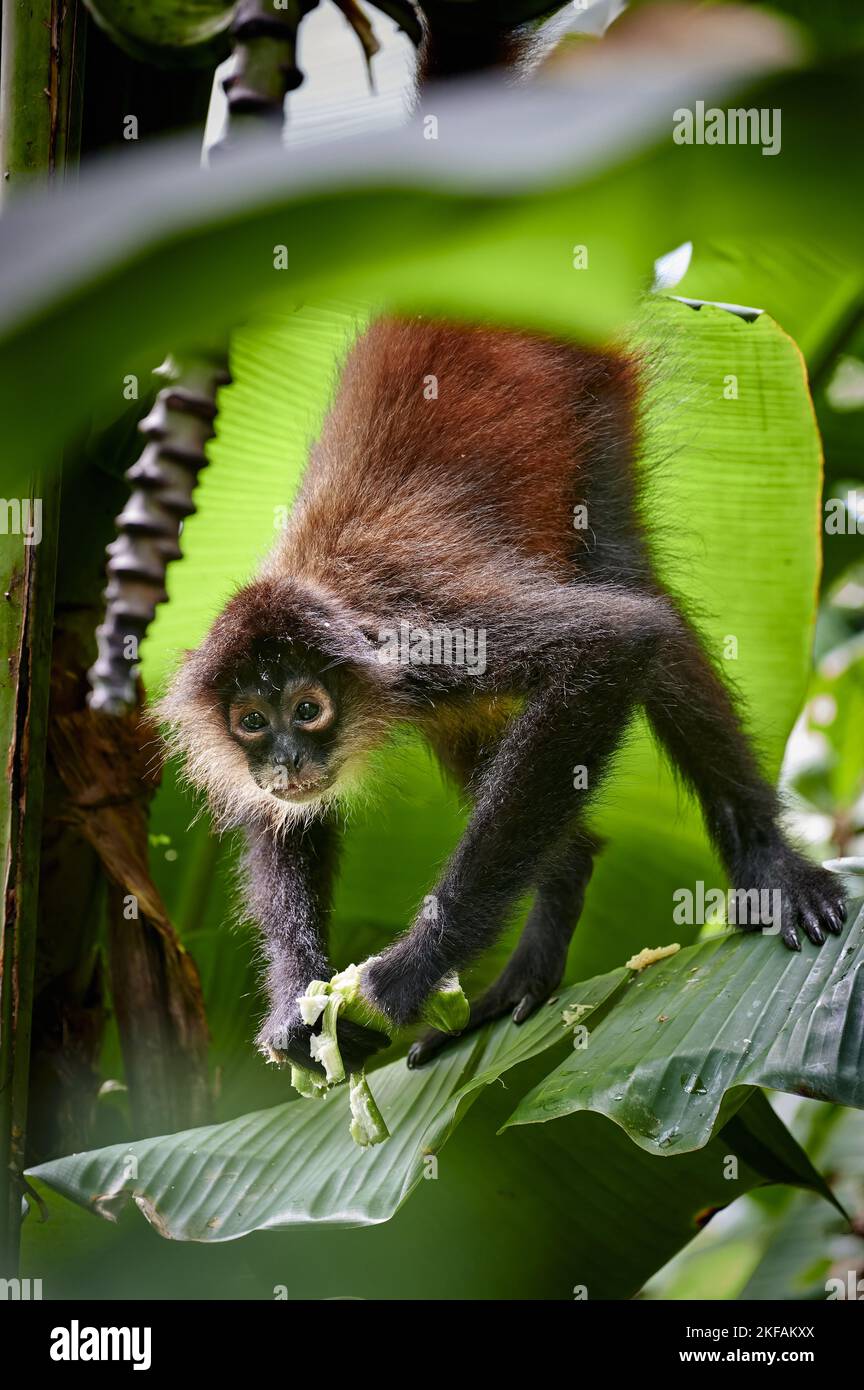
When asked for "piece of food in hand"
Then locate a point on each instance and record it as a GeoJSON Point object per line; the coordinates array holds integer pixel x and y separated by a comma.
{"type": "Point", "coordinates": [324, 1046]}
{"type": "Point", "coordinates": [308, 1083]}
{"type": "Point", "coordinates": [326, 999]}
{"type": "Point", "coordinates": [313, 1002]}
{"type": "Point", "coordinates": [348, 983]}
{"type": "Point", "coordinates": [446, 1009]}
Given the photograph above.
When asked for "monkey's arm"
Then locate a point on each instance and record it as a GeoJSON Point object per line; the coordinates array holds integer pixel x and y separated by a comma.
{"type": "Point", "coordinates": [584, 659]}
{"type": "Point", "coordinates": [289, 893]}
{"type": "Point", "coordinates": [589, 657]}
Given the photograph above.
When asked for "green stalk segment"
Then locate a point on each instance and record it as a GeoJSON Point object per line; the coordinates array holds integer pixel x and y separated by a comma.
{"type": "Point", "coordinates": [367, 1122]}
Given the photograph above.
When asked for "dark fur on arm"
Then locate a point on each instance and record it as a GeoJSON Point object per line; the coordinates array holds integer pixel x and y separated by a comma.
{"type": "Point", "coordinates": [695, 718]}
{"type": "Point", "coordinates": [289, 894]}
{"type": "Point", "coordinates": [588, 658]}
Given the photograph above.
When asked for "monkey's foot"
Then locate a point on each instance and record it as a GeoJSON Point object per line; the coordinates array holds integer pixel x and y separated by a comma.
{"type": "Point", "coordinates": [794, 895]}
{"type": "Point", "coordinates": [514, 993]}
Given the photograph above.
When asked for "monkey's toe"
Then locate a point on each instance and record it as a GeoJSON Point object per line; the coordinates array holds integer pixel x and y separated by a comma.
{"type": "Point", "coordinates": [502, 998]}
{"type": "Point", "coordinates": [483, 1010]}
{"type": "Point", "coordinates": [812, 900]}
{"type": "Point", "coordinates": [427, 1047]}
{"type": "Point", "coordinates": [528, 1005]}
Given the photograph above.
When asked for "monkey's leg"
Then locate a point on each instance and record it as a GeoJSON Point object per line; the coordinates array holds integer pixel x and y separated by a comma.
{"type": "Point", "coordinates": [693, 715]}
{"type": "Point", "coordinates": [536, 967]}
{"type": "Point", "coordinates": [587, 660]}
{"type": "Point", "coordinates": [290, 882]}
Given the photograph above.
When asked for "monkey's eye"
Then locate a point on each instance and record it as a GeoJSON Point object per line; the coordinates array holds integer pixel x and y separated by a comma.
{"type": "Point", "coordinates": [306, 711]}
{"type": "Point", "coordinates": [253, 721]}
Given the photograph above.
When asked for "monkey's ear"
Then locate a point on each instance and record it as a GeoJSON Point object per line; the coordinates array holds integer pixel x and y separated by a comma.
{"type": "Point", "coordinates": [361, 649]}
{"type": "Point", "coordinates": [365, 649]}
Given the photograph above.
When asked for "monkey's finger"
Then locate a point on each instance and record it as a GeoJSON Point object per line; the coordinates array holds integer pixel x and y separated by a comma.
{"type": "Point", "coordinates": [361, 1036]}
{"type": "Point", "coordinates": [356, 1042]}
{"type": "Point", "coordinates": [284, 1054]}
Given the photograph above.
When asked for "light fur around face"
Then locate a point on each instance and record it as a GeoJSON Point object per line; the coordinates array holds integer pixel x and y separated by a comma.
{"type": "Point", "coordinates": [317, 628]}
{"type": "Point", "coordinates": [195, 730]}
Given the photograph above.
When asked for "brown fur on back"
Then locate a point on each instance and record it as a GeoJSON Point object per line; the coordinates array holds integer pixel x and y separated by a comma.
{"type": "Point", "coordinates": [423, 508]}
{"type": "Point", "coordinates": [406, 495]}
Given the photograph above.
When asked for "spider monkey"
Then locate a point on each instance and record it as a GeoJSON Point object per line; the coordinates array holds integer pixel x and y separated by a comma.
{"type": "Point", "coordinates": [456, 513]}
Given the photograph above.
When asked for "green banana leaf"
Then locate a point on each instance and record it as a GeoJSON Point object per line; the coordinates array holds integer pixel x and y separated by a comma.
{"type": "Point", "coordinates": [261, 1162]}
{"type": "Point", "coordinates": [813, 295]}
{"type": "Point", "coordinates": [515, 180]}
{"type": "Point", "coordinates": [808, 1244]}
{"type": "Point", "coordinates": [529, 1232]}
{"type": "Point", "coordinates": [783, 1244]}
{"type": "Point", "coordinates": [733, 1011]}
{"type": "Point", "coordinates": [574, 1205]}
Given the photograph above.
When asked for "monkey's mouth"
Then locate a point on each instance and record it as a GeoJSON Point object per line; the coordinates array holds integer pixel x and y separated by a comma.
{"type": "Point", "coordinates": [298, 791]}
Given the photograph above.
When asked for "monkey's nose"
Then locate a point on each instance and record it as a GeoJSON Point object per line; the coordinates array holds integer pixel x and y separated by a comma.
{"type": "Point", "coordinates": [296, 760]}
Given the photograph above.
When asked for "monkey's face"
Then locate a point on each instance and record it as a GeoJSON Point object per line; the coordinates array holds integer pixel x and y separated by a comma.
{"type": "Point", "coordinates": [286, 721]}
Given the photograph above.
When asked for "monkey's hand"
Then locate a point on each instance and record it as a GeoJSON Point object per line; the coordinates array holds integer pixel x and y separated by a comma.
{"type": "Point", "coordinates": [285, 1041]}
{"type": "Point", "coordinates": [400, 990]}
